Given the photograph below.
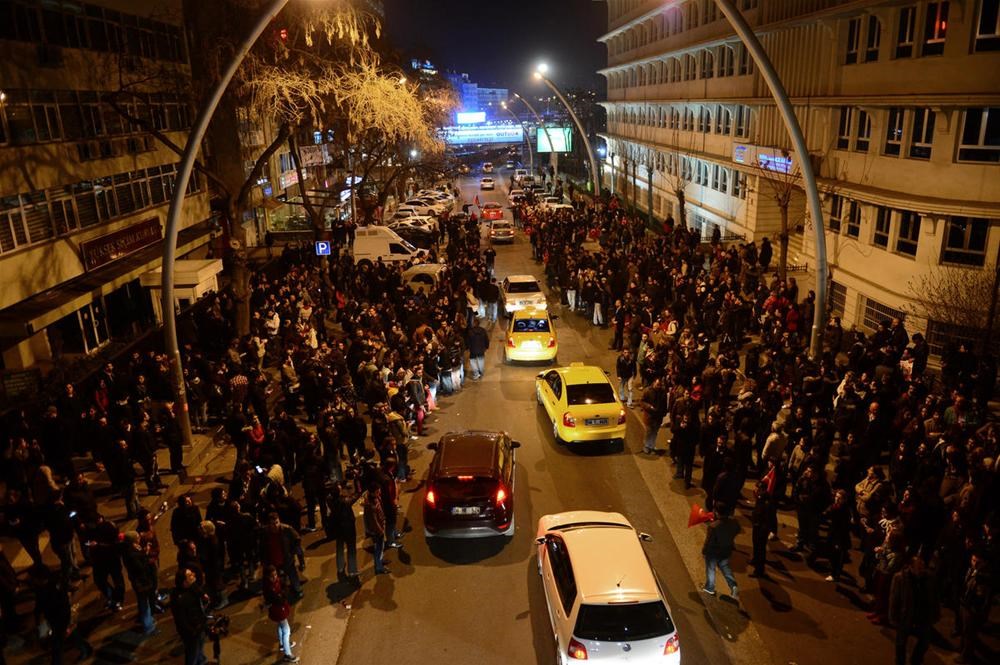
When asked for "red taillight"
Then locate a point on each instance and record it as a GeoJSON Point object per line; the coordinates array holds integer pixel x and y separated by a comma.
{"type": "Point", "coordinates": [576, 650]}
{"type": "Point", "coordinates": [501, 496]}
{"type": "Point", "coordinates": [672, 646]}
{"type": "Point", "coordinates": [552, 342]}
{"type": "Point", "coordinates": [621, 416]}
{"type": "Point", "coordinates": [569, 420]}
{"type": "Point", "coordinates": [510, 342]}
{"type": "Point", "coordinates": [430, 498]}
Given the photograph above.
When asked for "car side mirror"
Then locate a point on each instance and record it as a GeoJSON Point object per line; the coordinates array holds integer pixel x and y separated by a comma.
{"type": "Point", "coordinates": [540, 540]}
{"type": "Point", "coordinates": [432, 446]}
{"type": "Point", "coordinates": [515, 444]}
{"type": "Point", "coordinates": [645, 537]}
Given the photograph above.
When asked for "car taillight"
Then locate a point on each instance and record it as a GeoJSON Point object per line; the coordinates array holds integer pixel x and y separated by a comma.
{"type": "Point", "coordinates": [552, 342]}
{"type": "Point", "coordinates": [569, 420]}
{"type": "Point", "coordinates": [672, 646]}
{"type": "Point", "coordinates": [576, 650]}
{"type": "Point", "coordinates": [510, 342]}
{"type": "Point", "coordinates": [430, 498]}
{"type": "Point", "coordinates": [621, 416]}
{"type": "Point", "coordinates": [501, 496]}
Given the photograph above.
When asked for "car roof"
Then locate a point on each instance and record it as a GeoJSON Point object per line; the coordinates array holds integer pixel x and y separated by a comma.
{"type": "Point", "coordinates": [530, 313]}
{"type": "Point", "coordinates": [609, 564]}
{"type": "Point", "coordinates": [500, 222]}
{"type": "Point", "coordinates": [521, 278]}
{"type": "Point", "coordinates": [470, 451]}
{"type": "Point", "coordinates": [492, 204]}
{"type": "Point", "coordinates": [576, 374]}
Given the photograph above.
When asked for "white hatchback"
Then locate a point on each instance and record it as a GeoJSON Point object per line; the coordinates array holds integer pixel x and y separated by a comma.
{"type": "Point", "coordinates": [604, 601]}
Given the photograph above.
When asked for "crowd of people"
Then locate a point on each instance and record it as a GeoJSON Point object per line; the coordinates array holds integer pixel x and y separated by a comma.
{"type": "Point", "coordinates": [340, 365]}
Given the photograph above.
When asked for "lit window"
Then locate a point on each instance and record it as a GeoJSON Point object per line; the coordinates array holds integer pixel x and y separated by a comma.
{"type": "Point", "coordinates": [894, 132]}
{"type": "Point", "coordinates": [965, 241]}
{"type": "Point", "coordinates": [922, 136]}
{"type": "Point", "coordinates": [988, 26]}
{"type": "Point", "coordinates": [935, 28]}
{"type": "Point", "coordinates": [904, 34]}
{"type": "Point", "coordinates": [909, 233]}
{"type": "Point", "coordinates": [853, 40]}
{"type": "Point", "coordinates": [981, 135]}
{"type": "Point", "coordinates": [873, 39]}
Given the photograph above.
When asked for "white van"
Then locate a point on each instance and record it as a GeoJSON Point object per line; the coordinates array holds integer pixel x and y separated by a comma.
{"type": "Point", "coordinates": [519, 174]}
{"type": "Point", "coordinates": [373, 242]}
{"type": "Point", "coordinates": [426, 276]}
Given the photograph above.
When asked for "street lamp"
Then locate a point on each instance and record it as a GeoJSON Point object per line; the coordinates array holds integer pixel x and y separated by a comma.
{"type": "Point", "coordinates": [413, 153]}
{"type": "Point", "coordinates": [540, 72]}
{"type": "Point", "coordinates": [531, 156]}
{"type": "Point", "coordinates": [194, 140]}
{"type": "Point", "coordinates": [753, 45]}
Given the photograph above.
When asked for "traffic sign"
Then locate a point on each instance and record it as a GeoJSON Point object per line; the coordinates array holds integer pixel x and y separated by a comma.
{"type": "Point", "coordinates": [322, 248]}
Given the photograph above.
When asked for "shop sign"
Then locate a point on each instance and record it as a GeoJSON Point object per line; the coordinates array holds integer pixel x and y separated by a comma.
{"type": "Point", "coordinates": [288, 179]}
{"type": "Point", "coordinates": [113, 246]}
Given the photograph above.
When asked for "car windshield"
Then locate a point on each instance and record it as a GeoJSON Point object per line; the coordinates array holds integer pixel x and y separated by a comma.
{"type": "Point", "coordinates": [623, 622]}
{"type": "Point", "coordinates": [531, 326]}
{"type": "Point", "coordinates": [489, 206]}
{"type": "Point", "coordinates": [589, 393]}
{"type": "Point", "coordinates": [501, 226]}
{"type": "Point", "coordinates": [523, 287]}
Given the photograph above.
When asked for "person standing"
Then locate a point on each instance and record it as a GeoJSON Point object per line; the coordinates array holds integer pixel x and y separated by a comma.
{"type": "Point", "coordinates": [685, 442]}
{"type": "Point", "coordinates": [654, 403]}
{"type": "Point", "coordinates": [717, 550]}
{"type": "Point", "coordinates": [491, 296]}
{"type": "Point", "coordinates": [341, 527]}
{"type": "Point", "coordinates": [625, 371]}
{"type": "Point", "coordinates": [974, 604]}
{"type": "Point", "coordinates": [764, 519]}
{"type": "Point", "coordinates": [478, 342]}
{"type": "Point", "coordinates": [142, 575]}
{"type": "Point", "coordinates": [187, 604]}
{"type": "Point", "coordinates": [278, 610]}
{"type": "Point", "coordinates": [913, 609]}
{"type": "Point", "coordinates": [838, 540]}
{"type": "Point", "coordinates": [52, 600]}
{"type": "Point", "coordinates": [375, 525]}
{"type": "Point", "coordinates": [280, 544]}
{"type": "Point", "coordinates": [618, 316]}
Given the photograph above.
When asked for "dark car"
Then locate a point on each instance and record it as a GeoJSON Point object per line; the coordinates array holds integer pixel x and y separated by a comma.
{"type": "Point", "coordinates": [422, 238]}
{"type": "Point", "coordinates": [470, 486]}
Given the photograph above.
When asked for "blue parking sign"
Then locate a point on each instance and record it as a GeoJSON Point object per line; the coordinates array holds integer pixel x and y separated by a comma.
{"type": "Point", "coordinates": [322, 248]}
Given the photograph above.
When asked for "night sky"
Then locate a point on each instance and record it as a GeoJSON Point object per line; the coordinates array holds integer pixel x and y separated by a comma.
{"type": "Point", "coordinates": [499, 43]}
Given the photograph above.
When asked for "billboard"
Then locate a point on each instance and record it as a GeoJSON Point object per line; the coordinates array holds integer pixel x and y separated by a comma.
{"type": "Point", "coordinates": [768, 159]}
{"type": "Point", "coordinates": [470, 117]}
{"type": "Point", "coordinates": [473, 134]}
{"type": "Point", "coordinates": [562, 138]}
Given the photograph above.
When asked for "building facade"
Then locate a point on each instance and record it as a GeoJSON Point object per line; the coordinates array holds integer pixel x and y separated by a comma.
{"type": "Point", "coordinates": [84, 185]}
{"type": "Point", "coordinates": [900, 105]}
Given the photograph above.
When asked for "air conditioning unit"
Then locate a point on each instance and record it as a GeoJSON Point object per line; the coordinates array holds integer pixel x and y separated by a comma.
{"type": "Point", "coordinates": [50, 55]}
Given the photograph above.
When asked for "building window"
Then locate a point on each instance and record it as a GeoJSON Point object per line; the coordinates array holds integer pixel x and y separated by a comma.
{"type": "Point", "coordinates": [675, 118]}
{"type": "Point", "coordinates": [704, 120]}
{"type": "Point", "coordinates": [981, 135]}
{"type": "Point", "coordinates": [723, 120]}
{"type": "Point", "coordinates": [904, 33]}
{"type": "Point", "coordinates": [836, 212]}
{"type": "Point", "coordinates": [688, 120]}
{"type": "Point", "coordinates": [922, 136]}
{"type": "Point", "coordinates": [844, 127]}
{"type": "Point", "coordinates": [853, 41]}
{"type": "Point", "coordinates": [873, 39]}
{"type": "Point", "coordinates": [838, 298]}
{"type": "Point", "coordinates": [876, 313]}
{"type": "Point", "coordinates": [686, 175]}
{"type": "Point", "coordinates": [864, 135]}
{"type": "Point", "coordinates": [739, 184]}
{"type": "Point", "coordinates": [894, 132]}
{"type": "Point", "coordinates": [707, 63]}
{"type": "Point", "coordinates": [909, 233]}
{"type": "Point", "coordinates": [883, 220]}
{"type": "Point", "coordinates": [745, 65]}
{"type": "Point", "coordinates": [854, 219]}
{"type": "Point", "coordinates": [988, 26]}
{"type": "Point", "coordinates": [701, 173]}
{"type": "Point", "coordinates": [690, 68]}
{"type": "Point", "coordinates": [935, 28]}
{"type": "Point", "coordinates": [965, 241]}
{"type": "Point", "coordinates": [742, 121]}
{"type": "Point", "coordinates": [726, 61]}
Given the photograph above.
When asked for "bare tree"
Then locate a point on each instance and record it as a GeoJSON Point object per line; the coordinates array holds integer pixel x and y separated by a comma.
{"type": "Point", "coordinates": [953, 296]}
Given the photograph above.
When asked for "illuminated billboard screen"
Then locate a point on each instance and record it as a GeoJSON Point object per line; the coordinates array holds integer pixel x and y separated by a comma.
{"type": "Point", "coordinates": [470, 118]}
{"type": "Point", "coordinates": [562, 139]}
{"type": "Point", "coordinates": [473, 134]}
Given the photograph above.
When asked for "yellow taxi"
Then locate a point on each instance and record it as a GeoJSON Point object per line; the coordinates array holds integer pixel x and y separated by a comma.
{"type": "Point", "coordinates": [581, 404]}
{"type": "Point", "coordinates": [530, 336]}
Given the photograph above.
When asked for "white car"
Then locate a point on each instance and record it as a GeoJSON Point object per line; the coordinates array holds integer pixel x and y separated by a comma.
{"type": "Point", "coordinates": [437, 195]}
{"type": "Point", "coordinates": [520, 291]}
{"type": "Point", "coordinates": [427, 206]}
{"type": "Point", "coordinates": [487, 167]}
{"type": "Point", "coordinates": [403, 212]}
{"type": "Point", "coordinates": [416, 222]}
{"type": "Point", "coordinates": [501, 230]}
{"type": "Point", "coordinates": [487, 183]}
{"type": "Point", "coordinates": [604, 600]}
{"type": "Point", "coordinates": [519, 174]}
{"type": "Point", "coordinates": [515, 196]}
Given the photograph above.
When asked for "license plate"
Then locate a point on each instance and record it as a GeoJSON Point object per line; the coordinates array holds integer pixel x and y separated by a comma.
{"type": "Point", "coordinates": [465, 510]}
{"type": "Point", "coordinates": [596, 421]}
{"type": "Point", "coordinates": [534, 345]}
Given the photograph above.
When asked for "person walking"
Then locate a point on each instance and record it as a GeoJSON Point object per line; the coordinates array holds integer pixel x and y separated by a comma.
{"type": "Point", "coordinates": [375, 525]}
{"type": "Point", "coordinates": [491, 296]}
{"type": "Point", "coordinates": [625, 371]}
{"type": "Point", "coordinates": [278, 610]}
{"type": "Point", "coordinates": [478, 342]}
{"type": "Point", "coordinates": [913, 609]}
{"type": "Point", "coordinates": [717, 550]}
{"type": "Point", "coordinates": [187, 604]}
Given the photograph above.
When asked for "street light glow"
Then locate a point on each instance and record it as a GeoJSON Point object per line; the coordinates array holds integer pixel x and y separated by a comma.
{"type": "Point", "coordinates": [538, 76]}
{"type": "Point", "coordinates": [413, 153]}
{"type": "Point", "coordinates": [541, 69]}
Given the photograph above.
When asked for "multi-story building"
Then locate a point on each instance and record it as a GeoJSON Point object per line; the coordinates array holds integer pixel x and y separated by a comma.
{"type": "Point", "coordinates": [84, 185]}
{"type": "Point", "coordinates": [900, 105]}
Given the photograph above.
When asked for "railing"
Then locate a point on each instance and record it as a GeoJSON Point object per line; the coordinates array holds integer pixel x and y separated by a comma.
{"type": "Point", "coordinates": [797, 267]}
{"type": "Point", "coordinates": [726, 237]}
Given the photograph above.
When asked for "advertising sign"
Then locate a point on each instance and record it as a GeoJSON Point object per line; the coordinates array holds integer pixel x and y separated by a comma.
{"type": "Point", "coordinates": [562, 139]}
{"type": "Point", "coordinates": [470, 117]}
{"type": "Point", "coordinates": [768, 159]}
{"type": "Point", "coordinates": [479, 134]}
{"type": "Point", "coordinates": [113, 246]}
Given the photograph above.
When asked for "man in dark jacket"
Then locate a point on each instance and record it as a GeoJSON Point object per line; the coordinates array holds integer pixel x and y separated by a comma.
{"type": "Point", "coordinates": [341, 527]}
{"type": "Point", "coordinates": [717, 550]}
{"type": "Point", "coordinates": [975, 602]}
{"type": "Point", "coordinates": [625, 371]}
{"type": "Point", "coordinates": [142, 574]}
{"type": "Point", "coordinates": [764, 519]}
{"type": "Point", "coordinates": [913, 609]}
{"type": "Point", "coordinates": [654, 403]}
{"type": "Point", "coordinates": [52, 600]}
{"type": "Point", "coordinates": [478, 342]}
{"type": "Point", "coordinates": [279, 547]}
{"type": "Point", "coordinates": [185, 520]}
{"type": "Point", "coordinates": [685, 443]}
{"type": "Point", "coordinates": [121, 473]}
{"type": "Point", "coordinates": [187, 604]}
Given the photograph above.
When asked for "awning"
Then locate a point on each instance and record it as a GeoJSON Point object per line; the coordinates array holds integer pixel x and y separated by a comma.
{"type": "Point", "coordinates": [43, 309]}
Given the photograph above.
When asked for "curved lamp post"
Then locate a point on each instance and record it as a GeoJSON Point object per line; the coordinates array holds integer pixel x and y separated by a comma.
{"type": "Point", "coordinates": [531, 156]}
{"type": "Point", "coordinates": [749, 39]}
{"type": "Point", "coordinates": [194, 139]}
{"type": "Point", "coordinates": [540, 75]}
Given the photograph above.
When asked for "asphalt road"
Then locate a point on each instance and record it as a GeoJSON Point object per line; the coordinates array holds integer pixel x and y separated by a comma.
{"type": "Point", "coordinates": [480, 601]}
